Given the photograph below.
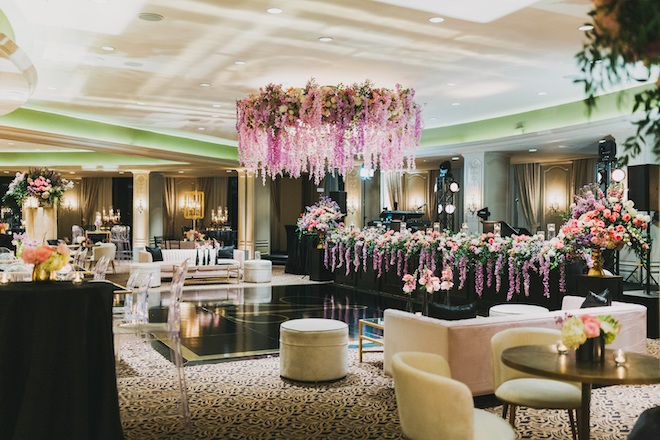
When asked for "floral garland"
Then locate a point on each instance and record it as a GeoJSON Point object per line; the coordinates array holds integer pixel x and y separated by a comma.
{"type": "Point", "coordinates": [625, 32]}
{"type": "Point", "coordinates": [323, 216]}
{"type": "Point", "coordinates": [321, 129]}
{"type": "Point", "coordinates": [45, 185]}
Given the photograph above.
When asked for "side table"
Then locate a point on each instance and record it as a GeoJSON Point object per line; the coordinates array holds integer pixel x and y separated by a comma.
{"type": "Point", "coordinates": [375, 324]}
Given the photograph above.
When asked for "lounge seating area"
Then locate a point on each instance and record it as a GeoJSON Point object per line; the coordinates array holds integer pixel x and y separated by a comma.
{"type": "Point", "coordinates": [169, 259]}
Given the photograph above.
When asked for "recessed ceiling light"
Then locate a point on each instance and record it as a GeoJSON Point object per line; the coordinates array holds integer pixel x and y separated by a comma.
{"type": "Point", "coordinates": [436, 19]}
{"type": "Point", "coordinates": [325, 39]}
{"type": "Point", "coordinates": [217, 105]}
{"type": "Point", "coordinates": [455, 158]}
{"type": "Point", "coordinates": [451, 84]}
{"type": "Point", "coordinates": [6, 172]}
{"type": "Point", "coordinates": [10, 143]}
{"type": "Point", "coordinates": [455, 103]}
{"type": "Point", "coordinates": [180, 172]}
{"type": "Point", "coordinates": [150, 16]}
{"type": "Point", "coordinates": [108, 48]}
{"type": "Point", "coordinates": [201, 128]}
{"type": "Point", "coordinates": [51, 88]}
{"type": "Point", "coordinates": [586, 27]}
{"type": "Point", "coordinates": [133, 64]}
{"type": "Point", "coordinates": [121, 172]}
{"type": "Point", "coordinates": [215, 115]}
{"type": "Point", "coordinates": [433, 118]}
{"type": "Point", "coordinates": [205, 84]}
{"type": "Point", "coordinates": [602, 141]}
{"type": "Point", "coordinates": [542, 93]}
{"type": "Point", "coordinates": [229, 171]}
{"type": "Point", "coordinates": [141, 103]}
{"type": "Point", "coordinates": [72, 172]}
{"type": "Point", "coordinates": [240, 62]}
{"type": "Point", "coordinates": [274, 10]}
{"type": "Point", "coordinates": [533, 150]}
{"type": "Point", "coordinates": [561, 146]}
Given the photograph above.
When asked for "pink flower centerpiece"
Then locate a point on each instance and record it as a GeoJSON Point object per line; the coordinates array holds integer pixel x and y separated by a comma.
{"type": "Point", "coordinates": [46, 259]}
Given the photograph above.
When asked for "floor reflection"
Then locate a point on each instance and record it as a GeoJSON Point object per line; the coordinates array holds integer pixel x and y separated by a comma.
{"type": "Point", "coordinates": [233, 322]}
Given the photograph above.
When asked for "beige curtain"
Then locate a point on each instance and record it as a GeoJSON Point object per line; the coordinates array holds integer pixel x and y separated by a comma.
{"type": "Point", "coordinates": [90, 187]}
{"type": "Point", "coordinates": [215, 195]}
{"type": "Point", "coordinates": [528, 180]}
{"type": "Point", "coordinates": [169, 206]}
{"type": "Point", "coordinates": [584, 172]}
{"type": "Point", "coordinates": [393, 182]}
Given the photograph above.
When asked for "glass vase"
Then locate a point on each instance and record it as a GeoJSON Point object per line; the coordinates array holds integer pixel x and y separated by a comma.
{"type": "Point", "coordinates": [593, 350]}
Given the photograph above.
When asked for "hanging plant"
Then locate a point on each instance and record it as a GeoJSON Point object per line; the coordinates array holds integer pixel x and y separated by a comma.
{"type": "Point", "coordinates": [624, 46]}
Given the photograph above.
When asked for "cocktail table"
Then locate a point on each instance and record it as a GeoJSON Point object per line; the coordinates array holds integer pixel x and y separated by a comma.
{"type": "Point", "coordinates": [544, 360]}
{"type": "Point", "coordinates": [213, 272]}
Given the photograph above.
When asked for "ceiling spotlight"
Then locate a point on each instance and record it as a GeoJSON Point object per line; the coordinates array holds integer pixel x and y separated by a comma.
{"type": "Point", "coordinates": [108, 48]}
{"type": "Point", "coordinates": [561, 146]}
{"type": "Point", "coordinates": [10, 143]}
{"type": "Point", "coordinates": [201, 128]}
{"type": "Point", "coordinates": [6, 172]}
{"type": "Point", "coordinates": [72, 172]}
{"type": "Point", "coordinates": [51, 88]}
{"type": "Point", "coordinates": [325, 39]}
{"type": "Point", "coordinates": [433, 118]}
{"type": "Point", "coordinates": [121, 172]}
{"type": "Point", "coordinates": [586, 27]}
{"type": "Point", "coordinates": [215, 115]}
{"type": "Point", "coordinates": [618, 175]}
{"type": "Point", "coordinates": [205, 84]}
{"type": "Point", "coordinates": [439, 209]}
{"type": "Point", "coordinates": [455, 103]}
{"type": "Point", "coordinates": [533, 150]}
{"type": "Point", "coordinates": [454, 187]}
{"type": "Point", "coordinates": [240, 62]}
{"type": "Point", "coordinates": [455, 158]}
{"type": "Point", "coordinates": [542, 93]}
{"type": "Point", "coordinates": [149, 16]}
{"type": "Point", "coordinates": [274, 10]}
{"type": "Point", "coordinates": [141, 103]}
{"type": "Point", "coordinates": [450, 209]}
{"type": "Point", "coordinates": [180, 172]}
{"type": "Point", "coordinates": [436, 19]}
{"type": "Point", "coordinates": [217, 105]}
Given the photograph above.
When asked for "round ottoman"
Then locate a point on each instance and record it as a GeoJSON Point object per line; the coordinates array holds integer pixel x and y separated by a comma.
{"type": "Point", "coordinates": [145, 268]}
{"type": "Point", "coordinates": [313, 349]}
{"type": "Point", "coordinates": [516, 309]}
{"type": "Point", "coordinates": [257, 271]}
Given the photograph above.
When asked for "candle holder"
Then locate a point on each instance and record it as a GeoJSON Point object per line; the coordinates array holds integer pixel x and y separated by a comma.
{"type": "Point", "coordinates": [4, 279]}
{"type": "Point", "coordinates": [77, 279]}
{"type": "Point", "coordinates": [620, 358]}
{"type": "Point", "coordinates": [561, 348]}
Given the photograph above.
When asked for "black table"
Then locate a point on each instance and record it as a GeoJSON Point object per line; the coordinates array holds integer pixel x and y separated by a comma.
{"type": "Point", "coordinates": [57, 367]}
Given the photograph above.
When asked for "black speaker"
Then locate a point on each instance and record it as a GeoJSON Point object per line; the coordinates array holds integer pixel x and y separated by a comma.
{"type": "Point", "coordinates": [607, 151]}
{"type": "Point", "coordinates": [643, 186]}
{"type": "Point", "coordinates": [340, 198]}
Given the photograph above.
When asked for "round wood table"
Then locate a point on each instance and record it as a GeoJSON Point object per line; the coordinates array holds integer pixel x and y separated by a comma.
{"type": "Point", "coordinates": [545, 361]}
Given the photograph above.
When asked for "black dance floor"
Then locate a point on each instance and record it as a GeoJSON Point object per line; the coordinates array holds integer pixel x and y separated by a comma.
{"type": "Point", "coordinates": [231, 322]}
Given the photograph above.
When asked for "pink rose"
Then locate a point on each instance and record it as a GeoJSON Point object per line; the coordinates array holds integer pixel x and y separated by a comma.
{"type": "Point", "coordinates": [43, 253]}
{"type": "Point", "coordinates": [591, 326]}
{"type": "Point", "coordinates": [626, 217]}
{"type": "Point", "coordinates": [29, 255]}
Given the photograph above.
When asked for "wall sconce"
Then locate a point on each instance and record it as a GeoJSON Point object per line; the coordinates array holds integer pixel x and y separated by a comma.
{"type": "Point", "coordinates": [68, 205]}
{"type": "Point", "coordinates": [471, 207]}
{"type": "Point", "coordinates": [352, 206]}
{"type": "Point", "coordinates": [553, 208]}
{"type": "Point", "coordinates": [139, 207]}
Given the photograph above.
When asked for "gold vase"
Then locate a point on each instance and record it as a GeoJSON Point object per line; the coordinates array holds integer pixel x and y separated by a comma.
{"type": "Point", "coordinates": [40, 274]}
{"type": "Point", "coordinates": [597, 269]}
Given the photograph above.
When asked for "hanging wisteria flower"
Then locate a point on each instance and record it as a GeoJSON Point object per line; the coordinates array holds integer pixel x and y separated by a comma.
{"type": "Point", "coordinates": [321, 129]}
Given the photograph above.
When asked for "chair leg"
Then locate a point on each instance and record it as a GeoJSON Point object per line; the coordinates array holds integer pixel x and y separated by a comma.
{"type": "Point", "coordinates": [512, 416]}
{"type": "Point", "coordinates": [505, 410]}
{"type": "Point", "coordinates": [574, 422]}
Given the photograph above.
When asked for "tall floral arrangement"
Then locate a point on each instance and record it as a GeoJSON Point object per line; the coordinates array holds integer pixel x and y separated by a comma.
{"type": "Point", "coordinates": [321, 129]}
{"type": "Point", "coordinates": [323, 216]}
{"type": "Point", "coordinates": [45, 185]}
{"type": "Point", "coordinates": [606, 222]}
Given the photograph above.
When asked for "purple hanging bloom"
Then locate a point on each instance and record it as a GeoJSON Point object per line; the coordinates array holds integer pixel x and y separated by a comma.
{"type": "Point", "coordinates": [512, 280]}
{"type": "Point", "coordinates": [489, 270]}
{"type": "Point", "coordinates": [526, 278]}
{"type": "Point", "coordinates": [479, 279]}
{"type": "Point", "coordinates": [562, 274]}
{"type": "Point", "coordinates": [462, 271]}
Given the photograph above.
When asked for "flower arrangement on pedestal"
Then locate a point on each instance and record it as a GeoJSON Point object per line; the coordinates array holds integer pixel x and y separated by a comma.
{"type": "Point", "coordinates": [46, 259]}
{"type": "Point", "coordinates": [589, 335]}
{"type": "Point", "coordinates": [321, 129]}
{"type": "Point", "coordinates": [45, 185]}
{"type": "Point", "coordinates": [600, 222]}
{"type": "Point", "coordinates": [625, 46]}
{"type": "Point", "coordinates": [322, 217]}
{"type": "Point", "coordinates": [193, 235]}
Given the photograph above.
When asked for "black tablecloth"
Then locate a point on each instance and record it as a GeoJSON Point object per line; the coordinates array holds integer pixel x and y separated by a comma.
{"type": "Point", "coordinates": [299, 249]}
{"type": "Point", "coordinates": [57, 368]}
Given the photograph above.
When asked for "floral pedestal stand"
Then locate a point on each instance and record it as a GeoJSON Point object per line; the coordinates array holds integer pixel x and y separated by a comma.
{"type": "Point", "coordinates": [40, 222]}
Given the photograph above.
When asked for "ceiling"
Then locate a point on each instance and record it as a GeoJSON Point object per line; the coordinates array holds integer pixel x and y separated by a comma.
{"type": "Point", "coordinates": [152, 84]}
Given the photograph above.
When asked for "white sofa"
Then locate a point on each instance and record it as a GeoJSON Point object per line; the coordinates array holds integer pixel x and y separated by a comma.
{"type": "Point", "coordinates": [465, 343]}
{"type": "Point", "coordinates": [175, 257]}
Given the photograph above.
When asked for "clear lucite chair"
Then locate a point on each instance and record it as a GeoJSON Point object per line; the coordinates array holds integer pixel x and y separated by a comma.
{"type": "Point", "coordinates": [145, 335]}
{"type": "Point", "coordinates": [4, 250]}
{"type": "Point", "coordinates": [80, 259]}
{"type": "Point", "coordinates": [19, 272]}
{"type": "Point", "coordinates": [128, 297]}
{"type": "Point", "coordinates": [100, 269]}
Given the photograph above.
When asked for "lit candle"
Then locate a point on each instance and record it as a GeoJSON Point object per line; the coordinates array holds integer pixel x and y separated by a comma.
{"type": "Point", "coordinates": [619, 357]}
{"type": "Point", "coordinates": [5, 278]}
{"type": "Point", "coordinates": [77, 279]}
{"type": "Point", "coordinates": [561, 348]}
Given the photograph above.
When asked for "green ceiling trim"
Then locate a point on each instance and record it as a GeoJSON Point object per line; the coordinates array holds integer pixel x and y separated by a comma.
{"type": "Point", "coordinates": [81, 128]}
{"type": "Point", "coordinates": [549, 118]}
{"type": "Point", "coordinates": [88, 158]}
{"type": "Point", "coordinates": [6, 27]}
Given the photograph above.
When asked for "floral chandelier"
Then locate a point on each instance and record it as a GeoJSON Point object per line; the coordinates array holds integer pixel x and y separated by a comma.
{"type": "Point", "coordinates": [322, 129]}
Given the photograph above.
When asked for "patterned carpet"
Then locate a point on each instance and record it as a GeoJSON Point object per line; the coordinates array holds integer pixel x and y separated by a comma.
{"type": "Point", "coordinates": [249, 400]}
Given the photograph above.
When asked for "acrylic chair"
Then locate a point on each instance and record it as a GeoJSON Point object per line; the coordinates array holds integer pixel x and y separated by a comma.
{"type": "Point", "coordinates": [432, 405]}
{"type": "Point", "coordinates": [80, 259]}
{"type": "Point", "coordinates": [168, 333]}
{"type": "Point", "coordinates": [19, 272]}
{"type": "Point", "coordinates": [100, 269]}
{"type": "Point", "coordinates": [515, 388]}
{"type": "Point", "coordinates": [128, 297]}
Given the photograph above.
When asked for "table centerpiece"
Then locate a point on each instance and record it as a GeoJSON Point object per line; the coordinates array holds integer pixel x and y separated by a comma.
{"type": "Point", "coordinates": [588, 335]}
{"type": "Point", "coordinates": [320, 218]}
{"type": "Point", "coordinates": [47, 260]}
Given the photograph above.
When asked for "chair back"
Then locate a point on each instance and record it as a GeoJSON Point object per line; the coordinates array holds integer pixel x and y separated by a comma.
{"type": "Point", "coordinates": [100, 269]}
{"type": "Point", "coordinates": [108, 250]}
{"type": "Point", "coordinates": [514, 337]}
{"type": "Point", "coordinates": [76, 231]}
{"type": "Point", "coordinates": [176, 289]}
{"type": "Point", "coordinates": [431, 404]}
{"type": "Point", "coordinates": [130, 285]}
{"type": "Point", "coordinates": [80, 257]}
{"type": "Point", "coordinates": [4, 250]}
{"type": "Point", "coordinates": [19, 272]}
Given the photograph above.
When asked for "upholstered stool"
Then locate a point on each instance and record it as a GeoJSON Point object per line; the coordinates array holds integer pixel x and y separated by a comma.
{"type": "Point", "coordinates": [516, 309]}
{"type": "Point", "coordinates": [257, 271]}
{"type": "Point", "coordinates": [145, 268]}
{"type": "Point", "coordinates": [313, 349]}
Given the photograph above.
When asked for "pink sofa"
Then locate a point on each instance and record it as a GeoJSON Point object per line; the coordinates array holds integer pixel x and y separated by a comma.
{"type": "Point", "coordinates": [466, 343]}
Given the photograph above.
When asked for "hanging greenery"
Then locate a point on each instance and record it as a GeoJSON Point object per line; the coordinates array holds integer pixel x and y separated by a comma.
{"type": "Point", "coordinates": [625, 46]}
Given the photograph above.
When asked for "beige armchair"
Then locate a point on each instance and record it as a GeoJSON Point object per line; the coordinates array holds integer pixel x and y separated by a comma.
{"type": "Point", "coordinates": [107, 250]}
{"type": "Point", "coordinates": [515, 388]}
{"type": "Point", "coordinates": [433, 406]}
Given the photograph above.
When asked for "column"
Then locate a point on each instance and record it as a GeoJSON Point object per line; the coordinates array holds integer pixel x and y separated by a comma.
{"type": "Point", "coordinates": [473, 196]}
{"type": "Point", "coordinates": [140, 211]}
{"type": "Point", "coordinates": [246, 212]}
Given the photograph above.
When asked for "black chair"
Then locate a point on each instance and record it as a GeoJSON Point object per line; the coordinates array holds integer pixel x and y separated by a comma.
{"type": "Point", "coordinates": [647, 426]}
